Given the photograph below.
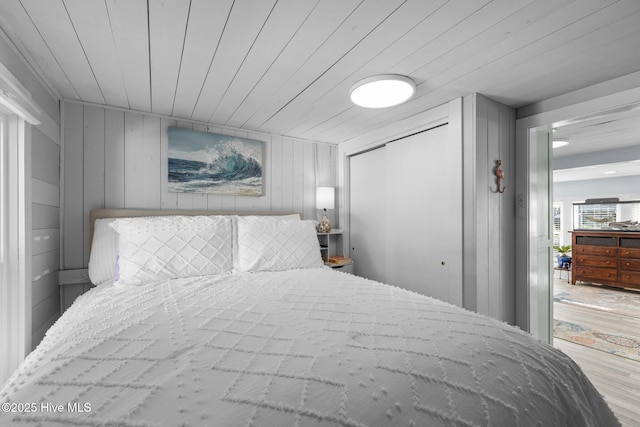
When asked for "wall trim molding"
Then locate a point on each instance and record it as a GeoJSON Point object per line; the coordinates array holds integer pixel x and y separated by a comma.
{"type": "Point", "coordinates": [15, 305]}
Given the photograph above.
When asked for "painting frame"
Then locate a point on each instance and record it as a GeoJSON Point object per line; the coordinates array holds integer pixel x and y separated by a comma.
{"type": "Point", "coordinates": [212, 163]}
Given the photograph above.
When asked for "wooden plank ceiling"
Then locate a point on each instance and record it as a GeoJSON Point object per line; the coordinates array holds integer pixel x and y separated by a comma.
{"type": "Point", "coordinates": [286, 66]}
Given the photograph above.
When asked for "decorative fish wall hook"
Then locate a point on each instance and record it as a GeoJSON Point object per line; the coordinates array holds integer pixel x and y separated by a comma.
{"type": "Point", "coordinates": [500, 175]}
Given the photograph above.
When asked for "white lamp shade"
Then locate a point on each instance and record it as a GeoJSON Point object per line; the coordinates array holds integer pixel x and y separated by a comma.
{"type": "Point", "coordinates": [325, 197]}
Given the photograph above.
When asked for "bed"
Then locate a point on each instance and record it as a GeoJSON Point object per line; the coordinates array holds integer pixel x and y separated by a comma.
{"type": "Point", "coordinates": [232, 320]}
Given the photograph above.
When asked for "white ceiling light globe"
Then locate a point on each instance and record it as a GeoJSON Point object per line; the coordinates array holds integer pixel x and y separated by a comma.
{"type": "Point", "coordinates": [557, 143]}
{"type": "Point", "coordinates": [382, 91]}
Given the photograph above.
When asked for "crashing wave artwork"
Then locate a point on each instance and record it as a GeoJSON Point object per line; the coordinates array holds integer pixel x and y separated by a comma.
{"type": "Point", "coordinates": [202, 162]}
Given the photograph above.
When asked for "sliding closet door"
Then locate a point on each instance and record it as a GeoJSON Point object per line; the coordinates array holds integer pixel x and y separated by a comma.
{"type": "Point", "coordinates": [367, 214]}
{"type": "Point", "coordinates": [424, 214]}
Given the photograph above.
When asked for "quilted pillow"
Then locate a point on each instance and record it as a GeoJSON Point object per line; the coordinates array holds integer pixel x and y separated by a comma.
{"type": "Point", "coordinates": [266, 218]}
{"type": "Point", "coordinates": [104, 252]}
{"type": "Point", "coordinates": [265, 244]}
{"type": "Point", "coordinates": [151, 249]}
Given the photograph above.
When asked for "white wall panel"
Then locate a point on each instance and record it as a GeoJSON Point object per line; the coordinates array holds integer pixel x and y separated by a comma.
{"type": "Point", "coordinates": [45, 193]}
{"type": "Point", "coordinates": [118, 159]}
{"type": "Point", "coordinates": [45, 226]}
{"type": "Point", "coordinates": [326, 177]}
{"type": "Point", "coordinates": [142, 161]}
{"type": "Point", "coordinates": [286, 191]}
{"type": "Point", "coordinates": [297, 177]}
{"type": "Point", "coordinates": [309, 181]}
{"type": "Point", "coordinates": [45, 240]}
{"type": "Point", "coordinates": [491, 260]}
{"type": "Point", "coordinates": [38, 334]}
{"type": "Point", "coordinates": [45, 286]}
{"type": "Point", "coordinates": [44, 153]}
{"type": "Point", "coordinates": [45, 233]}
{"type": "Point", "coordinates": [44, 264]}
{"type": "Point", "coordinates": [73, 219]}
{"type": "Point", "coordinates": [114, 158]}
{"type": "Point", "coordinates": [94, 161]}
{"type": "Point", "coordinates": [507, 221]}
{"type": "Point", "coordinates": [44, 216]}
{"type": "Point", "coordinates": [276, 176]}
{"type": "Point", "coordinates": [43, 312]}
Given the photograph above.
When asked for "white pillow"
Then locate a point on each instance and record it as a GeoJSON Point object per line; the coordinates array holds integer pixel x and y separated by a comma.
{"type": "Point", "coordinates": [104, 252]}
{"type": "Point", "coordinates": [276, 218]}
{"type": "Point", "coordinates": [104, 248]}
{"type": "Point", "coordinates": [151, 249]}
{"type": "Point", "coordinates": [265, 244]}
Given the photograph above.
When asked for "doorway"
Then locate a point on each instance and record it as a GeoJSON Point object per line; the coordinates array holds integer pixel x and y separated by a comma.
{"type": "Point", "coordinates": [619, 371]}
{"type": "Point", "coordinates": [534, 308]}
{"type": "Point", "coordinates": [596, 179]}
{"type": "Point", "coordinates": [596, 325]}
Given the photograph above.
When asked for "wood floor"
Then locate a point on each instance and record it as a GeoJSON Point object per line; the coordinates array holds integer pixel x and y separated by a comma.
{"type": "Point", "coordinates": [616, 378]}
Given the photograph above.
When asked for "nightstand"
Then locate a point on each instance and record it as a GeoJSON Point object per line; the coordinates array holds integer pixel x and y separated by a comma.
{"type": "Point", "coordinates": [328, 247]}
{"type": "Point", "coordinates": [346, 268]}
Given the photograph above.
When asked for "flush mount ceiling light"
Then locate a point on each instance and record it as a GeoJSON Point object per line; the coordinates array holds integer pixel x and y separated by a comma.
{"type": "Point", "coordinates": [557, 143]}
{"type": "Point", "coordinates": [385, 90]}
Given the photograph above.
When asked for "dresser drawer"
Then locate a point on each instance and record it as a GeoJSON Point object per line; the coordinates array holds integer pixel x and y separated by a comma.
{"type": "Point", "coordinates": [629, 264]}
{"type": "Point", "coordinates": [629, 253]}
{"type": "Point", "coordinates": [596, 261]}
{"type": "Point", "coordinates": [630, 278]}
{"type": "Point", "coordinates": [595, 250]}
{"type": "Point", "coordinates": [596, 273]}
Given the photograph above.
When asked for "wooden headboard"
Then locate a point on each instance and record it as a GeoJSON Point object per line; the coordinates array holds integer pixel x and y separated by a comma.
{"type": "Point", "coordinates": [130, 213]}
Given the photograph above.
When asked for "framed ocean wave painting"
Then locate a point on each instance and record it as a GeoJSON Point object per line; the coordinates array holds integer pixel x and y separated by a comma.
{"type": "Point", "coordinates": [202, 162]}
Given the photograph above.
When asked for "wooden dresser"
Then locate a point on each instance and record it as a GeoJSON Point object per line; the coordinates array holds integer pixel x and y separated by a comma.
{"type": "Point", "coordinates": [606, 257]}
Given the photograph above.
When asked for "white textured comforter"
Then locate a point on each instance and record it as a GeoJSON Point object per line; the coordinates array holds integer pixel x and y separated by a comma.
{"type": "Point", "coordinates": [302, 347]}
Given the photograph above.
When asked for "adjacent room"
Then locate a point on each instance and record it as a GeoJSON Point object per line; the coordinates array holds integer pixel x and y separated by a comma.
{"type": "Point", "coordinates": [207, 218]}
{"type": "Point", "coordinates": [596, 191]}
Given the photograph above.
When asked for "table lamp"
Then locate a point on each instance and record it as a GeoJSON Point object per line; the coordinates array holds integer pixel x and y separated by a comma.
{"type": "Point", "coordinates": [325, 198]}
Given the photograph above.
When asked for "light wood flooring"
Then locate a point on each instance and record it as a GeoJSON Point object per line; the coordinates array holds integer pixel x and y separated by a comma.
{"type": "Point", "coordinates": [615, 377]}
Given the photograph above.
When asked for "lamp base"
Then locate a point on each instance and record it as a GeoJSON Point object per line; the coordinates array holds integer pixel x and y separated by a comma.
{"type": "Point", "coordinates": [324, 226]}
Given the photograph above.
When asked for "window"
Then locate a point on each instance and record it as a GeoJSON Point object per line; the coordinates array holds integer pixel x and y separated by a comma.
{"type": "Point", "coordinates": [592, 216]}
{"type": "Point", "coordinates": [557, 224]}
{"type": "Point", "coordinates": [635, 212]}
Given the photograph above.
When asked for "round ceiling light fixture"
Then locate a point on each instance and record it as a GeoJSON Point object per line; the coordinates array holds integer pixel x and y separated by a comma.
{"type": "Point", "coordinates": [385, 90]}
{"type": "Point", "coordinates": [557, 143]}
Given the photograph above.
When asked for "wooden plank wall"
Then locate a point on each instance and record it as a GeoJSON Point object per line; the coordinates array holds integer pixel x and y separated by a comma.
{"type": "Point", "coordinates": [490, 216]}
{"type": "Point", "coordinates": [116, 158]}
{"type": "Point", "coordinates": [45, 229]}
